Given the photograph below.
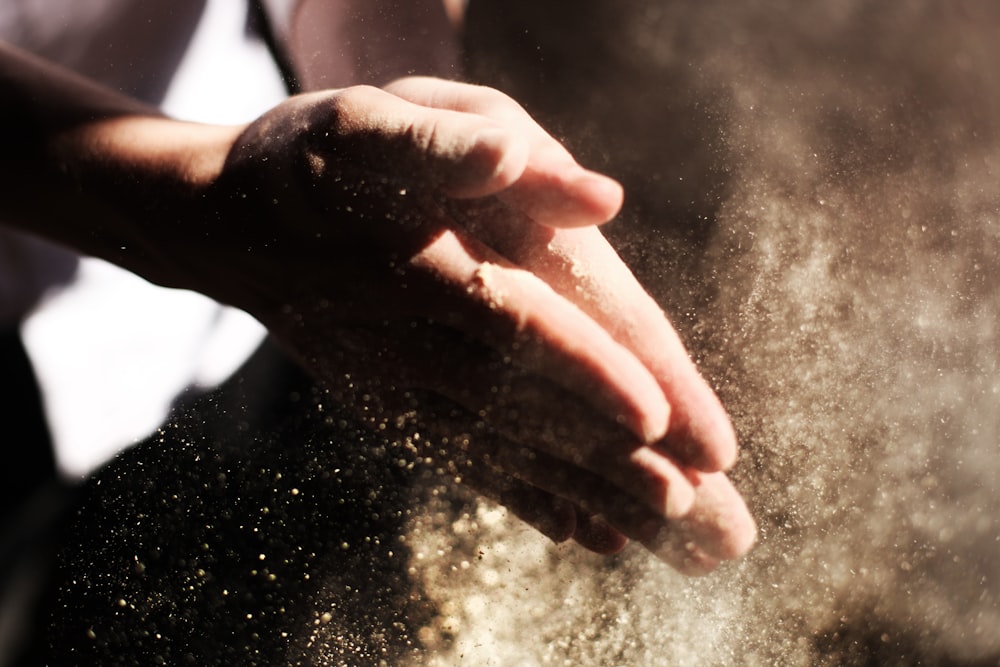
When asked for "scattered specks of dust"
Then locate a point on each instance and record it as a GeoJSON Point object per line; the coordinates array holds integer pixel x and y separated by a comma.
{"type": "Point", "coordinates": [509, 596]}
{"type": "Point", "coordinates": [846, 305]}
{"type": "Point", "coordinates": [484, 284]}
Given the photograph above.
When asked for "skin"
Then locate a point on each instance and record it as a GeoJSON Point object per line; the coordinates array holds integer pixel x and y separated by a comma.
{"type": "Point", "coordinates": [433, 257]}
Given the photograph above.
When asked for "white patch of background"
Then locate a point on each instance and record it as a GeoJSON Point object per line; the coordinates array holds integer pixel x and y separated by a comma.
{"type": "Point", "coordinates": [112, 351]}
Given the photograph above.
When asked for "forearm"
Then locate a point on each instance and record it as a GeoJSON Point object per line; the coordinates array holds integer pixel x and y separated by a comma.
{"type": "Point", "coordinates": [97, 171]}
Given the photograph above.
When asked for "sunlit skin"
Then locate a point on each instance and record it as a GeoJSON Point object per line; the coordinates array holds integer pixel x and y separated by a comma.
{"type": "Point", "coordinates": [429, 253]}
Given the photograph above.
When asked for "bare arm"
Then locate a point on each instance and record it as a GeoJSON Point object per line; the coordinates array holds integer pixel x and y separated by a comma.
{"type": "Point", "coordinates": [94, 170]}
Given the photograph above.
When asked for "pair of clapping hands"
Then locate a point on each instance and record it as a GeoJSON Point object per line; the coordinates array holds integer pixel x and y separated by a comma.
{"type": "Point", "coordinates": [432, 254]}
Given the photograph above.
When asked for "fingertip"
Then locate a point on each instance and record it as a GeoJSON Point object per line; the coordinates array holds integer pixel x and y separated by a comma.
{"type": "Point", "coordinates": [743, 541]}
{"type": "Point", "coordinates": [680, 499]}
{"type": "Point", "coordinates": [633, 396]}
{"type": "Point", "coordinates": [742, 532]}
{"type": "Point", "coordinates": [580, 200]}
{"type": "Point", "coordinates": [565, 196]}
{"type": "Point", "coordinates": [622, 388]}
{"type": "Point", "coordinates": [740, 538]}
{"type": "Point", "coordinates": [647, 415]}
{"type": "Point", "coordinates": [655, 422]}
{"type": "Point", "coordinates": [556, 520]}
{"type": "Point", "coordinates": [720, 520]}
{"type": "Point", "coordinates": [728, 450]}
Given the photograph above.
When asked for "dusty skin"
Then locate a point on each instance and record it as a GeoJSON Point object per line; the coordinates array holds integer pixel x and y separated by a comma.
{"type": "Point", "coordinates": [812, 196]}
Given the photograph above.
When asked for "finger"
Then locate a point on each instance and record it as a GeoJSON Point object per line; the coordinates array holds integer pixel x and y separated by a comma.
{"type": "Point", "coordinates": [710, 525]}
{"type": "Point", "coordinates": [461, 154]}
{"type": "Point", "coordinates": [659, 487]}
{"type": "Point", "coordinates": [719, 520]}
{"type": "Point", "coordinates": [581, 265]}
{"type": "Point", "coordinates": [697, 543]}
{"type": "Point", "coordinates": [683, 541]}
{"type": "Point", "coordinates": [688, 531]}
{"type": "Point", "coordinates": [490, 463]}
{"type": "Point", "coordinates": [553, 188]}
{"type": "Point", "coordinates": [518, 314]}
{"type": "Point", "coordinates": [595, 534]}
{"type": "Point", "coordinates": [700, 432]}
{"type": "Point", "coordinates": [513, 413]}
{"type": "Point", "coordinates": [550, 515]}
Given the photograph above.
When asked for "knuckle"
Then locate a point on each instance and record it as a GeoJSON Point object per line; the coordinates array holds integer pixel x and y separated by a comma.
{"type": "Point", "coordinates": [354, 107]}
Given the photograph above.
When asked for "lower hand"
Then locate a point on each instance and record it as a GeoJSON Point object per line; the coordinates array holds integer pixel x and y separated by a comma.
{"type": "Point", "coordinates": [432, 255]}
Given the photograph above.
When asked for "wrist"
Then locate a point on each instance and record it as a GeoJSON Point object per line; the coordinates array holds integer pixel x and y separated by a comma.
{"type": "Point", "coordinates": [144, 183]}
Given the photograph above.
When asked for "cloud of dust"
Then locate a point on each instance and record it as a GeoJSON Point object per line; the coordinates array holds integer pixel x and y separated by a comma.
{"type": "Point", "coordinates": [822, 221]}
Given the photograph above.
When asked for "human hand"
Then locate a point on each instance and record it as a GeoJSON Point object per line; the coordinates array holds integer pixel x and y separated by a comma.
{"type": "Point", "coordinates": [431, 254]}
